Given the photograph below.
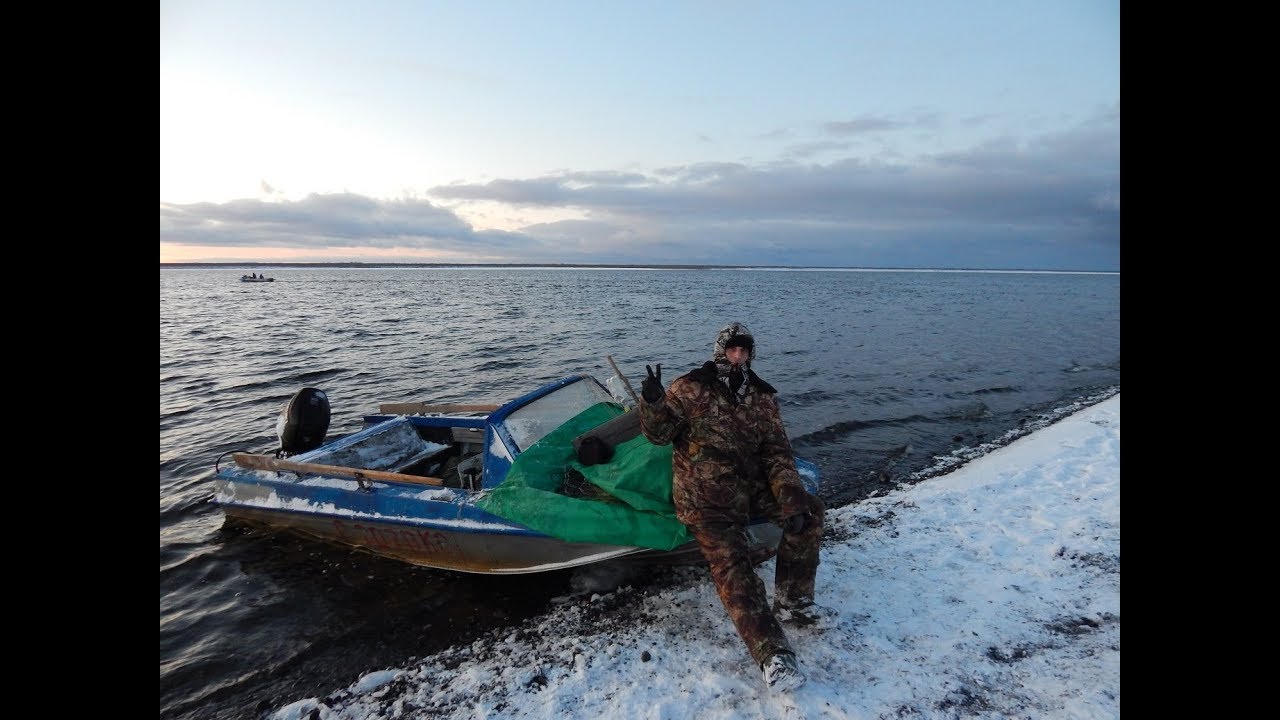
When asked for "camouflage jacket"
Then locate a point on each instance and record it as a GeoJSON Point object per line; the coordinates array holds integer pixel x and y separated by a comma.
{"type": "Point", "coordinates": [724, 449]}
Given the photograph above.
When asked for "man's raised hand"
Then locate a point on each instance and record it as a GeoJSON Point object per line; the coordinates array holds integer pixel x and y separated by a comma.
{"type": "Point", "coordinates": [651, 387]}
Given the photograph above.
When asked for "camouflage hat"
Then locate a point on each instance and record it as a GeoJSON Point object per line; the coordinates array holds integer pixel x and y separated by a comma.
{"type": "Point", "coordinates": [735, 334]}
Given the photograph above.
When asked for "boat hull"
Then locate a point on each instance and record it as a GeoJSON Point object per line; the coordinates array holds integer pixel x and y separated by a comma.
{"type": "Point", "coordinates": [438, 533]}
{"type": "Point", "coordinates": [439, 548]}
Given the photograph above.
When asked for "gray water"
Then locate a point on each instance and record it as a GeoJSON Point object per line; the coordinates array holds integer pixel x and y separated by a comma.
{"type": "Point", "coordinates": [881, 376]}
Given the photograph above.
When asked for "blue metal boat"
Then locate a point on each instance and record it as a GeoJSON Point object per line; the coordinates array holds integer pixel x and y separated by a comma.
{"type": "Point", "coordinates": [406, 486]}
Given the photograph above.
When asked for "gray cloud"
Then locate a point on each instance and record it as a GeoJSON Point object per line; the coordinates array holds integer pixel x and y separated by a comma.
{"type": "Point", "coordinates": [864, 124]}
{"type": "Point", "coordinates": [316, 221]}
{"type": "Point", "coordinates": [800, 151]}
{"type": "Point", "coordinates": [1050, 203]}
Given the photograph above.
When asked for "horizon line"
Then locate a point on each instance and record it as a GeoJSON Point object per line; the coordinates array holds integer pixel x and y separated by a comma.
{"type": "Point", "coordinates": [641, 266]}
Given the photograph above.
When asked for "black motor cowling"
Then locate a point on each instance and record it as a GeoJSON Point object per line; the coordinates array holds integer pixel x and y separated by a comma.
{"type": "Point", "coordinates": [303, 422]}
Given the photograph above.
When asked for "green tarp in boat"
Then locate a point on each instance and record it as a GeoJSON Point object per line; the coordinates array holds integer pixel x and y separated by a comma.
{"type": "Point", "coordinates": [628, 502]}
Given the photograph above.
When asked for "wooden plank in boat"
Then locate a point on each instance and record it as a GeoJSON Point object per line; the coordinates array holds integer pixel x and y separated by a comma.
{"type": "Point", "coordinates": [421, 408]}
{"type": "Point", "coordinates": [265, 462]}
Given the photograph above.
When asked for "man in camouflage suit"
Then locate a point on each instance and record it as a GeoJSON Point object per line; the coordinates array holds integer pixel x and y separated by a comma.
{"type": "Point", "coordinates": [731, 461]}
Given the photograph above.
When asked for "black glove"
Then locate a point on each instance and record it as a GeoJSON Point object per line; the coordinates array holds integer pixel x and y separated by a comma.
{"type": "Point", "coordinates": [651, 388]}
{"type": "Point", "coordinates": [796, 523]}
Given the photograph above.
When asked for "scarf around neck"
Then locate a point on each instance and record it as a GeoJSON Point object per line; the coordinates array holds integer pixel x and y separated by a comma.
{"type": "Point", "coordinates": [735, 381]}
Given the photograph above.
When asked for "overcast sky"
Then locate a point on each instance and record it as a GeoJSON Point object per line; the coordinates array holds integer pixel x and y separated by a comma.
{"type": "Point", "coordinates": [990, 592]}
{"type": "Point", "coordinates": [930, 134]}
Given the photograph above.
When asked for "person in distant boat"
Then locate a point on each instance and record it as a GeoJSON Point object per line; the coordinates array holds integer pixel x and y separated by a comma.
{"type": "Point", "coordinates": [732, 460]}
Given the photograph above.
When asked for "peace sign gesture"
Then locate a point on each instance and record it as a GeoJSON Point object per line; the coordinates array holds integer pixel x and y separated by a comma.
{"type": "Point", "coordinates": [651, 386]}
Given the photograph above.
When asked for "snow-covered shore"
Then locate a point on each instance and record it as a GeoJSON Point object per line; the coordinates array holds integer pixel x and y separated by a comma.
{"type": "Point", "coordinates": [991, 591]}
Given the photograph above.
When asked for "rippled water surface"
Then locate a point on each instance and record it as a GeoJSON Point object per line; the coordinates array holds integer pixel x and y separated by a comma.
{"type": "Point", "coordinates": [879, 375]}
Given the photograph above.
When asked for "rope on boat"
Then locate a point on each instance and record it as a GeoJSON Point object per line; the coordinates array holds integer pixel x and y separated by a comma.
{"type": "Point", "coordinates": [216, 469]}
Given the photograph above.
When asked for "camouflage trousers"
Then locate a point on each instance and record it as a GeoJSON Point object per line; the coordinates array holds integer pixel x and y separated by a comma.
{"type": "Point", "coordinates": [725, 546]}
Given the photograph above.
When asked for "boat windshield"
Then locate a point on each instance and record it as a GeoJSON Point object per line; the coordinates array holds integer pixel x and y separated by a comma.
{"type": "Point", "coordinates": [532, 422]}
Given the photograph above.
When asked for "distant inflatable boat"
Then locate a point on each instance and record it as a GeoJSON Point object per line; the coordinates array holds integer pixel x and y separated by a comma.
{"type": "Point", "coordinates": [250, 278]}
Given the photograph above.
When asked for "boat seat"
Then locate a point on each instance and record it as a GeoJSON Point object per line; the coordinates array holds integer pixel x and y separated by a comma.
{"type": "Point", "coordinates": [431, 450]}
{"type": "Point", "coordinates": [474, 436]}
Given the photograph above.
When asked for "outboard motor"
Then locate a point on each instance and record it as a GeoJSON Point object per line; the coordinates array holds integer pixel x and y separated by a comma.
{"type": "Point", "coordinates": [303, 422]}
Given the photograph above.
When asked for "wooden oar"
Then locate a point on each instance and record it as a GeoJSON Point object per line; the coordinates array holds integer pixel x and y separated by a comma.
{"type": "Point", "coordinates": [421, 408]}
{"type": "Point", "coordinates": [266, 462]}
